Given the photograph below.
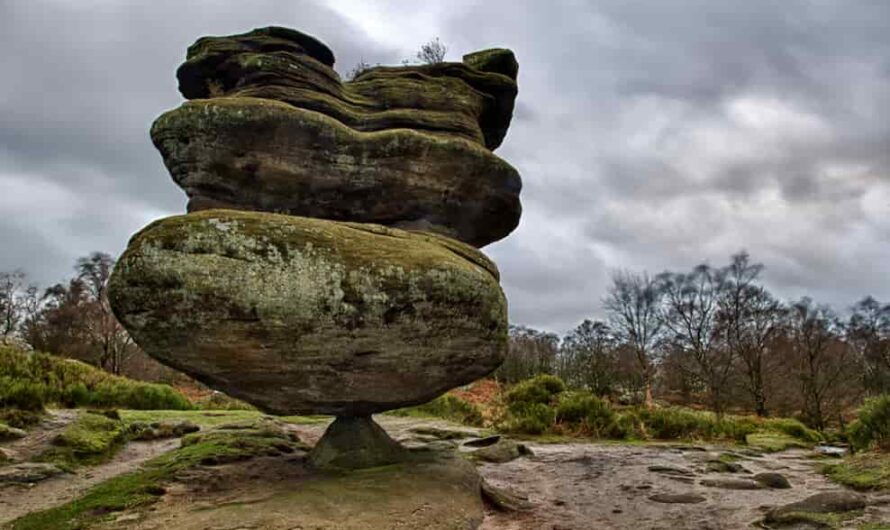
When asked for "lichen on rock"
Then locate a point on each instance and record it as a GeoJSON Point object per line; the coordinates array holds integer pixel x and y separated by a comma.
{"type": "Point", "coordinates": [299, 315]}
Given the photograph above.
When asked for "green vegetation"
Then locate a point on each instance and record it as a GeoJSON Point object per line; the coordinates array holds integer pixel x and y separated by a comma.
{"type": "Point", "coordinates": [143, 487]}
{"type": "Point", "coordinates": [90, 439]}
{"type": "Point", "coordinates": [872, 426]}
{"type": "Point", "coordinates": [201, 418]}
{"type": "Point", "coordinates": [542, 405]}
{"type": "Point", "coordinates": [866, 471]}
{"type": "Point", "coordinates": [448, 407]}
{"type": "Point", "coordinates": [31, 381]}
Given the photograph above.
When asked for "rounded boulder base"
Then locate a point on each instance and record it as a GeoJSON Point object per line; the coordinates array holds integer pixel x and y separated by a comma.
{"type": "Point", "coordinates": [306, 316]}
{"type": "Point", "coordinates": [352, 442]}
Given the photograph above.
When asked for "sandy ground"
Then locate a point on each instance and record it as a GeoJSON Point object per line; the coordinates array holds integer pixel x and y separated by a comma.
{"type": "Point", "coordinates": [571, 486]}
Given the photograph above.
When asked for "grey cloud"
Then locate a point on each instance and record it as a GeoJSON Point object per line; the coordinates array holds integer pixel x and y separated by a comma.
{"type": "Point", "coordinates": [650, 135]}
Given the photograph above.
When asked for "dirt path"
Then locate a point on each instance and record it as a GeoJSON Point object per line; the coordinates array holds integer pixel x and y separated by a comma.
{"type": "Point", "coordinates": [40, 436]}
{"type": "Point", "coordinates": [17, 500]}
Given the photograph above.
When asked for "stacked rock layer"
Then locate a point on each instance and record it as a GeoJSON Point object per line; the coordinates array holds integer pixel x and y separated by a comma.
{"type": "Point", "coordinates": [329, 262]}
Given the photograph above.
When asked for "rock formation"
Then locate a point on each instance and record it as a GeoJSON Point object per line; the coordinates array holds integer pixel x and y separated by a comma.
{"type": "Point", "coordinates": [272, 128]}
{"type": "Point", "coordinates": [328, 262]}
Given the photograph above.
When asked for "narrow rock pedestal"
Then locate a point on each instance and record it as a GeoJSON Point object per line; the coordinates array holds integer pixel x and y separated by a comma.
{"type": "Point", "coordinates": [355, 442]}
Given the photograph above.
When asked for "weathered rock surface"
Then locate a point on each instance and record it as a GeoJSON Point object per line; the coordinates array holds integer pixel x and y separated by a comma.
{"type": "Point", "coordinates": [829, 502]}
{"type": "Point", "coordinates": [501, 451]}
{"type": "Point", "coordinates": [355, 443]}
{"type": "Point", "coordinates": [28, 472]}
{"type": "Point", "coordinates": [732, 484]}
{"type": "Point", "coordinates": [473, 99]}
{"type": "Point", "coordinates": [249, 153]}
{"type": "Point", "coordinates": [677, 498]}
{"type": "Point", "coordinates": [298, 315]}
{"type": "Point", "coordinates": [772, 480]}
{"type": "Point", "coordinates": [274, 129]}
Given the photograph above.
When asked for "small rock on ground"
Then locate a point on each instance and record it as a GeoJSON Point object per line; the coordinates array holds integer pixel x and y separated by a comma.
{"type": "Point", "coordinates": [29, 472]}
{"type": "Point", "coordinates": [677, 498]}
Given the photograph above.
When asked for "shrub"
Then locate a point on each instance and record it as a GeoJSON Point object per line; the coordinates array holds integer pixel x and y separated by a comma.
{"type": "Point", "coordinates": [586, 411]}
{"type": "Point", "coordinates": [540, 389]}
{"type": "Point", "coordinates": [532, 418]}
{"type": "Point", "coordinates": [793, 428]}
{"type": "Point", "coordinates": [668, 423]}
{"type": "Point", "coordinates": [872, 425]}
{"type": "Point", "coordinates": [30, 381]}
{"type": "Point", "coordinates": [448, 407]}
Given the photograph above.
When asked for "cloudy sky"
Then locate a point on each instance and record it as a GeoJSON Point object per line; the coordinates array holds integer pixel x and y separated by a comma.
{"type": "Point", "coordinates": [649, 134]}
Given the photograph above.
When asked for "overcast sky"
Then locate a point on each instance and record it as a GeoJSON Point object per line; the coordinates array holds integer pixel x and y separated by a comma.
{"type": "Point", "coordinates": [649, 134]}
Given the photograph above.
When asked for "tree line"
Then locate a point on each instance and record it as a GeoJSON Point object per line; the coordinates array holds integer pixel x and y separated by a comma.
{"type": "Point", "coordinates": [716, 337]}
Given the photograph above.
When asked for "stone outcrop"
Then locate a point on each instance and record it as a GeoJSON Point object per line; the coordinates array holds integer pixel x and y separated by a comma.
{"type": "Point", "coordinates": [328, 263]}
{"type": "Point", "coordinates": [306, 316]}
{"type": "Point", "coordinates": [271, 127]}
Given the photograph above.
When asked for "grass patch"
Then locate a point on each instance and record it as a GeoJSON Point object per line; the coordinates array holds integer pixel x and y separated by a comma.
{"type": "Point", "coordinates": [864, 471]}
{"type": "Point", "coordinates": [143, 487]}
{"type": "Point", "coordinates": [773, 442]}
{"type": "Point", "coordinates": [31, 381]}
{"type": "Point", "coordinates": [90, 439]}
{"type": "Point", "coordinates": [201, 418]}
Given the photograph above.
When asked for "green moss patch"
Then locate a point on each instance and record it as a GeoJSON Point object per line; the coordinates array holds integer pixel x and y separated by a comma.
{"type": "Point", "coordinates": [866, 471]}
{"type": "Point", "coordinates": [90, 439]}
{"type": "Point", "coordinates": [772, 442]}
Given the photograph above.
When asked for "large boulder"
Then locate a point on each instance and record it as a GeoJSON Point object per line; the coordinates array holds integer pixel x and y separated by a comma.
{"type": "Point", "coordinates": [273, 128]}
{"type": "Point", "coordinates": [259, 154]}
{"type": "Point", "coordinates": [298, 315]}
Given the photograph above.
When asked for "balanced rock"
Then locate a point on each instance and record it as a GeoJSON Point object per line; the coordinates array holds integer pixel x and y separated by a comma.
{"type": "Point", "coordinates": [298, 315]}
{"type": "Point", "coordinates": [273, 128]}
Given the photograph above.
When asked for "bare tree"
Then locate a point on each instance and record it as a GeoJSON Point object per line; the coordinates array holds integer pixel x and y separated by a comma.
{"type": "Point", "coordinates": [749, 319]}
{"type": "Point", "coordinates": [17, 302]}
{"type": "Point", "coordinates": [433, 52]}
{"type": "Point", "coordinates": [530, 352]}
{"type": "Point", "coordinates": [690, 315]}
{"type": "Point", "coordinates": [868, 333]}
{"type": "Point", "coordinates": [633, 307]}
{"type": "Point", "coordinates": [821, 359]}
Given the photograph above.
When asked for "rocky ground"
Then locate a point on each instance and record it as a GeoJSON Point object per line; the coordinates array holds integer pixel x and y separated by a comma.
{"type": "Point", "coordinates": [565, 485]}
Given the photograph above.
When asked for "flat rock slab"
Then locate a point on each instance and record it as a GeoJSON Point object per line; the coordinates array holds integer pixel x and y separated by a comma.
{"type": "Point", "coordinates": [772, 480]}
{"type": "Point", "coordinates": [732, 484]}
{"type": "Point", "coordinates": [28, 472]}
{"type": "Point", "coordinates": [677, 498]}
{"type": "Point", "coordinates": [501, 451]}
{"type": "Point", "coordinates": [439, 493]}
{"type": "Point", "coordinates": [306, 316]}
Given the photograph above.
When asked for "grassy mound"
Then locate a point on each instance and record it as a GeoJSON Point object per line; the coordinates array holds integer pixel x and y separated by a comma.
{"type": "Point", "coordinates": [31, 381]}
{"type": "Point", "coordinates": [90, 439]}
{"type": "Point", "coordinates": [866, 471]}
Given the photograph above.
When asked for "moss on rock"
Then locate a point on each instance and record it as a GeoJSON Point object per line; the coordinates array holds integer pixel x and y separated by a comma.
{"type": "Point", "coordinates": [298, 315]}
